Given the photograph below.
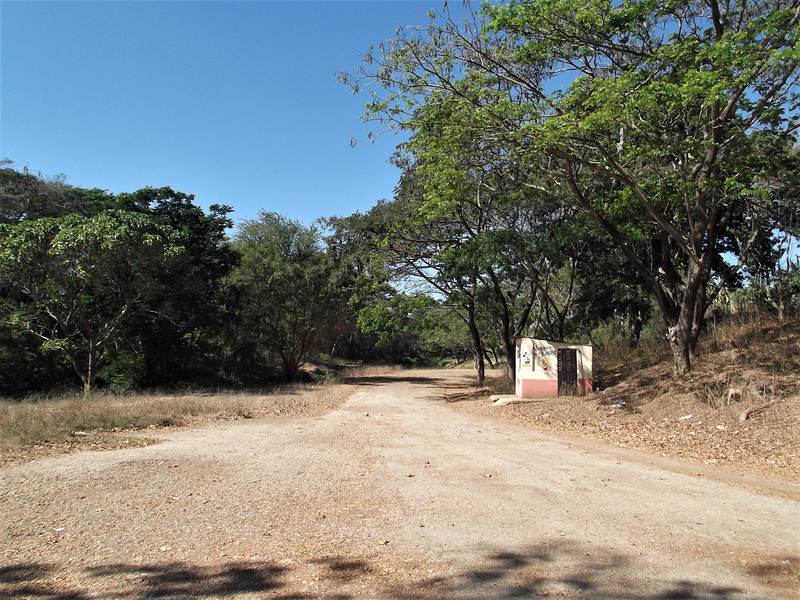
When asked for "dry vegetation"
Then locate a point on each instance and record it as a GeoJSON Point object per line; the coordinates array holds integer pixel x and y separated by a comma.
{"type": "Point", "coordinates": [739, 408]}
{"type": "Point", "coordinates": [40, 426]}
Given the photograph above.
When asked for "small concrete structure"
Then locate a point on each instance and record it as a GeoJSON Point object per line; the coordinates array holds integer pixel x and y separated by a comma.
{"type": "Point", "coordinates": [548, 369]}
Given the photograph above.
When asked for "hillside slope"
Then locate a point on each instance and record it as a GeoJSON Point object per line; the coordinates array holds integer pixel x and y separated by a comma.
{"type": "Point", "coordinates": [739, 408]}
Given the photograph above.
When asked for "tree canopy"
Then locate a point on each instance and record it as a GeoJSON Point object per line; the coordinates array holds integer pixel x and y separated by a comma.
{"type": "Point", "coordinates": [670, 124]}
{"type": "Point", "coordinates": [288, 298]}
{"type": "Point", "coordinates": [75, 279]}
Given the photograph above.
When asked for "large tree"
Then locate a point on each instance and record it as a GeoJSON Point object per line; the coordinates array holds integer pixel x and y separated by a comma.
{"type": "Point", "coordinates": [176, 333]}
{"type": "Point", "coordinates": [286, 300]}
{"type": "Point", "coordinates": [73, 281]}
{"type": "Point", "coordinates": [667, 123]}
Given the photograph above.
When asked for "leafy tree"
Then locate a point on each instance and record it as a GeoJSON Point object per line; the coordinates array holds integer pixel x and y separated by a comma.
{"type": "Point", "coordinates": [73, 281]}
{"type": "Point", "coordinates": [179, 324]}
{"type": "Point", "coordinates": [388, 324]}
{"type": "Point", "coordinates": [284, 292]}
{"type": "Point", "coordinates": [418, 253]}
{"type": "Point", "coordinates": [27, 196]}
{"type": "Point", "coordinates": [655, 117]}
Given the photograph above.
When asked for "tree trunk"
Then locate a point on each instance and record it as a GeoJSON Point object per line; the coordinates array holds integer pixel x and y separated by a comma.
{"type": "Point", "coordinates": [506, 331]}
{"type": "Point", "coordinates": [510, 348]}
{"type": "Point", "coordinates": [480, 368]}
{"type": "Point", "coordinates": [87, 373]}
{"type": "Point", "coordinates": [636, 329]}
{"type": "Point", "coordinates": [477, 345]}
{"type": "Point", "coordinates": [679, 343]}
{"type": "Point", "coordinates": [700, 303]}
{"type": "Point", "coordinates": [682, 333]}
{"type": "Point", "coordinates": [290, 366]}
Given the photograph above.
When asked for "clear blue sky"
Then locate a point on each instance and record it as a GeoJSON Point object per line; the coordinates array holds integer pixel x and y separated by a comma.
{"type": "Point", "coordinates": [235, 102]}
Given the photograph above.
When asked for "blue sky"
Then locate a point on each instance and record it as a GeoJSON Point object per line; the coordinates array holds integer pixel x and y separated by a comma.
{"type": "Point", "coordinates": [235, 102]}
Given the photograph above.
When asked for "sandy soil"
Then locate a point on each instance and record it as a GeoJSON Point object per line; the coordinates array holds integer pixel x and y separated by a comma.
{"type": "Point", "coordinates": [674, 424]}
{"type": "Point", "coordinates": [392, 495]}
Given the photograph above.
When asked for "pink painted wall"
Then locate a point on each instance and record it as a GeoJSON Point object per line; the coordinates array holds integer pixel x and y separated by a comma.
{"type": "Point", "coordinates": [537, 388]}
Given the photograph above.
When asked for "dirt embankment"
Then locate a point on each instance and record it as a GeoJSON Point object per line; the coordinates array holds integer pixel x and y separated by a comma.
{"type": "Point", "coordinates": [676, 425]}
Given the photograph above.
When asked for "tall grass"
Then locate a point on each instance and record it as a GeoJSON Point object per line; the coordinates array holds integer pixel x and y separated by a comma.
{"type": "Point", "coordinates": [353, 373]}
{"type": "Point", "coordinates": [57, 418]}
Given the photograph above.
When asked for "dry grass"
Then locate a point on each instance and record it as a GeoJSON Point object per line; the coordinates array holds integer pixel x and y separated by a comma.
{"type": "Point", "coordinates": [58, 418]}
{"type": "Point", "coordinates": [69, 422]}
{"type": "Point", "coordinates": [363, 372]}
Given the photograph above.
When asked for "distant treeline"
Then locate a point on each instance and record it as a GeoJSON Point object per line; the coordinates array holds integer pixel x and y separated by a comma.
{"type": "Point", "coordinates": [143, 289]}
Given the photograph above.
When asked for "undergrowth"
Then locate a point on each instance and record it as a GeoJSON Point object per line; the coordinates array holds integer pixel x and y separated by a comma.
{"type": "Point", "coordinates": [742, 356]}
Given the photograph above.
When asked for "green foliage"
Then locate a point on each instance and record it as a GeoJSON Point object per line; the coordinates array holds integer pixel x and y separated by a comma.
{"type": "Point", "coordinates": [72, 281]}
{"type": "Point", "coordinates": [393, 315]}
{"type": "Point", "coordinates": [285, 298]}
{"type": "Point", "coordinates": [184, 320]}
{"type": "Point", "coordinates": [25, 365]}
{"type": "Point", "coordinates": [177, 321]}
{"type": "Point", "coordinates": [653, 117]}
{"type": "Point", "coordinates": [123, 370]}
{"type": "Point", "coordinates": [26, 196]}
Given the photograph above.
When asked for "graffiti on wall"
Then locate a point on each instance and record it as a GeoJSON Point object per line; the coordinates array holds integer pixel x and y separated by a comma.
{"type": "Point", "coordinates": [545, 353]}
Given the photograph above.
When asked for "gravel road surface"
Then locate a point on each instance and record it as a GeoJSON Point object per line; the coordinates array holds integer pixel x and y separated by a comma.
{"type": "Point", "coordinates": [394, 495]}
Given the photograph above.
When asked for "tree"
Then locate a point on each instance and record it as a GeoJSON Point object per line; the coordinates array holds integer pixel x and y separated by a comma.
{"type": "Point", "coordinates": [285, 296]}
{"type": "Point", "coordinates": [654, 117]}
{"type": "Point", "coordinates": [176, 328]}
{"type": "Point", "coordinates": [179, 324]}
{"type": "Point", "coordinates": [414, 252]}
{"type": "Point", "coordinates": [26, 196]}
{"type": "Point", "coordinates": [73, 281]}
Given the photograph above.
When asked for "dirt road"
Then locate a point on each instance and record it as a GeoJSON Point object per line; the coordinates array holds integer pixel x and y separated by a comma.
{"type": "Point", "coordinates": [394, 495]}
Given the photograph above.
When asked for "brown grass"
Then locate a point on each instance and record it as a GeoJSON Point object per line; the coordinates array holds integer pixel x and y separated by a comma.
{"type": "Point", "coordinates": [39, 425]}
{"type": "Point", "coordinates": [366, 371]}
{"type": "Point", "coordinates": [68, 422]}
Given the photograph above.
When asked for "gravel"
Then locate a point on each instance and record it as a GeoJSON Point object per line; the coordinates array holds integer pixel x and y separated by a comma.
{"type": "Point", "coordinates": [391, 494]}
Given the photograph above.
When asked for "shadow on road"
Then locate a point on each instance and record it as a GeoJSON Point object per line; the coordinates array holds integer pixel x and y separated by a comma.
{"type": "Point", "coordinates": [557, 568]}
{"type": "Point", "coordinates": [384, 379]}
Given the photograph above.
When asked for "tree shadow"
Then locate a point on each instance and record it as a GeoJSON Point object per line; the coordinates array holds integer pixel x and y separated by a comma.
{"type": "Point", "coordinates": [170, 580]}
{"type": "Point", "coordinates": [554, 568]}
{"type": "Point", "coordinates": [179, 580]}
{"type": "Point", "coordinates": [561, 568]}
{"type": "Point", "coordinates": [384, 379]}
